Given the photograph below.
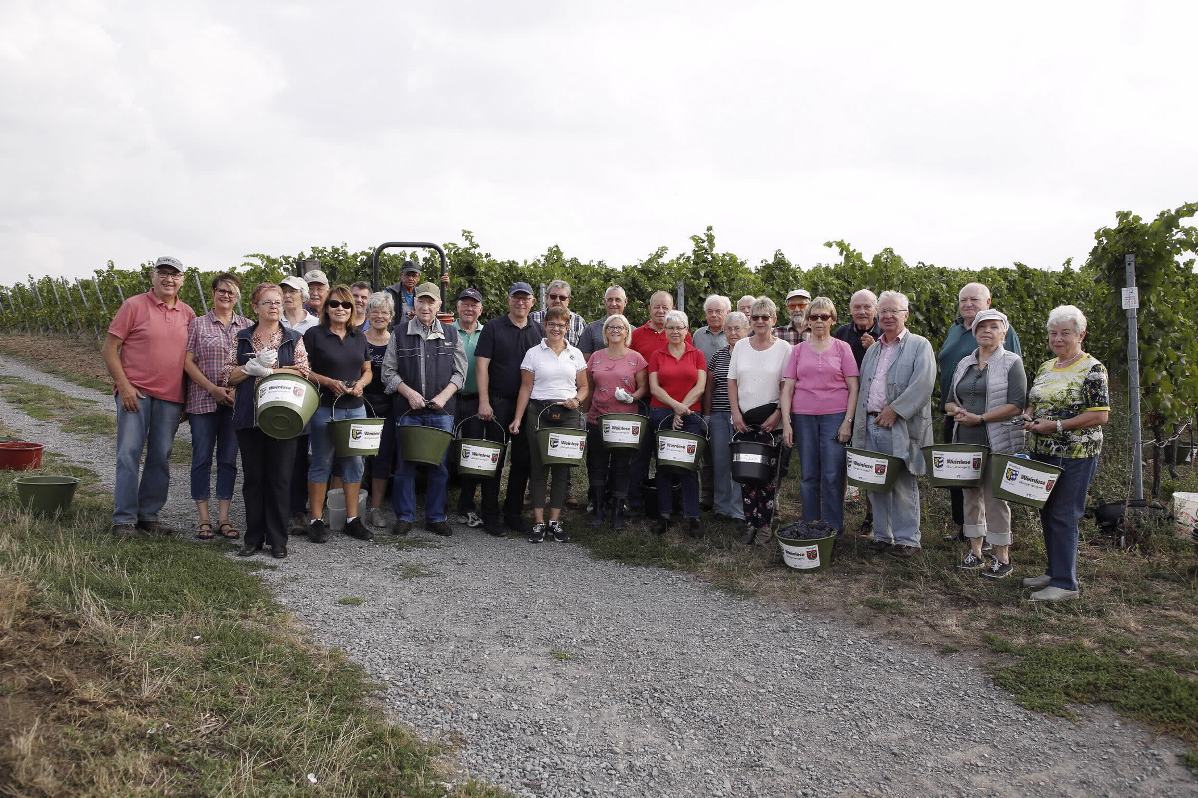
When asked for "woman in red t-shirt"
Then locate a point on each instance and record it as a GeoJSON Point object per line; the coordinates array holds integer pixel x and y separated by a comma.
{"type": "Point", "coordinates": [677, 377]}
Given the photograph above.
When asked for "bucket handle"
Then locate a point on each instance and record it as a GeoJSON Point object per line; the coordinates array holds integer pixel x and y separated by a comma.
{"type": "Point", "coordinates": [706, 427]}
{"type": "Point", "coordinates": [756, 430]}
{"type": "Point", "coordinates": [419, 409]}
{"type": "Point", "coordinates": [333, 412]}
{"type": "Point", "coordinates": [555, 404]}
{"type": "Point", "coordinates": [457, 430]}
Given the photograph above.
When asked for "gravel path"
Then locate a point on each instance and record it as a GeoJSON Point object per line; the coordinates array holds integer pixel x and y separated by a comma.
{"type": "Point", "coordinates": [557, 675]}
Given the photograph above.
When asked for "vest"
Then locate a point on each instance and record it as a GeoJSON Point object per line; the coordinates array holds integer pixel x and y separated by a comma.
{"type": "Point", "coordinates": [243, 402]}
{"type": "Point", "coordinates": [1004, 438]}
{"type": "Point", "coordinates": [425, 365]}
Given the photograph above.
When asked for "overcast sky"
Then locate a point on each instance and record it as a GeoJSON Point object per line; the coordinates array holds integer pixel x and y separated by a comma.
{"type": "Point", "coordinates": [957, 136]}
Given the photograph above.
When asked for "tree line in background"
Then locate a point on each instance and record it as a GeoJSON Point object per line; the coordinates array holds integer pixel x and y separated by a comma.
{"type": "Point", "coordinates": [1165, 249]}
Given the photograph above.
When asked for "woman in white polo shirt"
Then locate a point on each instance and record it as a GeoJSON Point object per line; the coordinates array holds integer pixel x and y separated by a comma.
{"type": "Point", "coordinates": [552, 373]}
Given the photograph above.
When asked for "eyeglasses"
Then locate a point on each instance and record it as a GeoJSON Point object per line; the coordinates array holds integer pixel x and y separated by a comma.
{"type": "Point", "coordinates": [270, 303]}
{"type": "Point", "coordinates": [556, 325]}
{"type": "Point", "coordinates": [520, 298]}
{"type": "Point", "coordinates": [612, 327]}
{"type": "Point", "coordinates": [761, 317]}
{"type": "Point", "coordinates": [674, 328]}
{"type": "Point", "coordinates": [560, 297]}
{"type": "Point", "coordinates": [819, 317]}
{"type": "Point", "coordinates": [168, 275]}
{"type": "Point", "coordinates": [333, 304]}
{"type": "Point", "coordinates": [891, 311]}
{"type": "Point", "coordinates": [225, 292]}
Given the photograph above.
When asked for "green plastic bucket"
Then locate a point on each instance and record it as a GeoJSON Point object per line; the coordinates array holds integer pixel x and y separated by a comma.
{"type": "Point", "coordinates": [807, 556]}
{"type": "Point", "coordinates": [682, 451]}
{"type": "Point", "coordinates": [480, 457]}
{"type": "Point", "coordinates": [284, 405]}
{"type": "Point", "coordinates": [622, 430]}
{"type": "Point", "coordinates": [355, 437]}
{"type": "Point", "coordinates": [871, 471]}
{"type": "Point", "coordinates": [426, 445]}
{"type": "Point", "coordinates": [560, 445]}
{"type": "Point", "coordinates": [955, 465]}
{"type": "Point", "coordinates": [1021, 480]}
{"type": "Point", "coordinates": [46, 493]}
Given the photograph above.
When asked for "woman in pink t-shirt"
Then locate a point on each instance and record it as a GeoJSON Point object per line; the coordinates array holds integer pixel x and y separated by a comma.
{"type": "Point", "coordinates": [819, 383]}
{"type": "Point", "coordinates": [619, 380]}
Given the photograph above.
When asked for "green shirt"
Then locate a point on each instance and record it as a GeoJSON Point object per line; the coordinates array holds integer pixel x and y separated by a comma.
{"type": "Point", "coordinates": [1062, 393]}
{"type": "Point", "coordinates": [469, 340]}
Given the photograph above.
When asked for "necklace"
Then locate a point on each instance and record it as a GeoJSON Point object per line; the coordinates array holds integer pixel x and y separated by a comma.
{"type": "Point", "coordinates": [1063, 364]}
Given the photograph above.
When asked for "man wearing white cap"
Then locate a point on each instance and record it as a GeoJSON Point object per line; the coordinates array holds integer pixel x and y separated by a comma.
{"type": "Point", "coordinates": [295, 316]}
{"type": "Point", "coordinates": [796, 331]}
{"type": "Point", "coordinates": [318, 289]}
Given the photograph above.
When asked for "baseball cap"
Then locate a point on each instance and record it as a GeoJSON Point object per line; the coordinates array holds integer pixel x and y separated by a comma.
{"type": "Point", "coordinates": [167, 262]}
{"type": "Point", "coordinates": [518, 288]}
{"type": "Point", "coordinates": [316, 276]}
{"type": "Point", "coordinates": [410, 267]}
{"type": "Point", "coordinates": [296, 283]}
{"type": "Point", "coordinates": [470, 293]}
{"type": "Point", "coordinates": [798, 292]}
{"type": "Point", "coordinates": [990, 314]}
{"type": "Point", "coordinates": [428, 289]}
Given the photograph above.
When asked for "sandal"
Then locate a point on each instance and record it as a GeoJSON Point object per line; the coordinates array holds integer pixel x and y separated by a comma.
{"type": "Point", "coordinates": [204, 531]}
{"type": "Point", "coordinates": [228, 531]}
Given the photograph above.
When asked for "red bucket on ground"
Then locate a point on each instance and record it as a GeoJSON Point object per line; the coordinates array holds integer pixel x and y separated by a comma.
{"type": "Point", "coordinates": [20, 455]}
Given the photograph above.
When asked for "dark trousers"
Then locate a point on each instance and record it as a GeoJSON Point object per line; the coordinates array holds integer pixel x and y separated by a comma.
{"type": "Point", "coordinates": [518, 468]}
{"type": "Point", "coordinates": [608, 469]}
{"type": "Point", "coordinates": [956, 495]}
{"type": "Point", "coordinates": [467, 406]}
{"type": "Point", "coordinates": [669, 479]}
{"type": "Point", "coordinates": [266, 468]}
{"type": "Point", "coordinates": [298, 481]}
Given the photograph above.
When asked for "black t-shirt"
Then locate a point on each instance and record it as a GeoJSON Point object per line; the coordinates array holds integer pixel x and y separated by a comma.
{"type": "Point", "coordinates": [852, 336]}
{"type": "Point", "coordinates": [376, 392]}
{"type": "Point", "coordinates": [337, 358]}
{"type": "Point", "coordinates": [505, 344]}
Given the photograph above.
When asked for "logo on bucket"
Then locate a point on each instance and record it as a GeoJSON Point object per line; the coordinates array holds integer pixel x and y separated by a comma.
{"type": "Point", "coordinates": [977, 462]}
{"type": "Point", "coordinates": [635, 429]}
{"type": "Point", "coordinates": [1011, 474]}
{"type": "Point", "coordinates": [690, 448]}
{"type": "Point", "coordinates": [1049, 484]}
{"type": "Point", "coordinates": [812, 554]}
{"type": "Point", "coordinates": [880, 469]}
{"type": "Point", "coordinates": [478, 457]}
{"type": "Point", "coordinates": [567, 446]}
{"type": "Point", "coordinates": [938, 461]}
{"type": "Point", "coordinates": [494, 457]}
{"type": "Point", "coordinates": [1030, 483]}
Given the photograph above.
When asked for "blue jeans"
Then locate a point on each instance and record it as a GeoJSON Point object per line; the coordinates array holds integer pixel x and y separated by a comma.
{"type": "Point", "coordinates": [153, 428]}
{"type": "Point", "coordinates": [1065, 507]}
{"type": "Point", "coordinates": [320, 463]}
{"type": "Point", "coordinates": [209, 431]}
{"type": "Point", "coordinates": [668, 479]}
{"type": "Point", "coordinates": [727, 490]}
{"type": "Point", "coordinates": [403, 485]}
{"type": "Point", "coordinates": [821, 458]}
{"type": "Point", "coordinates": [896, 514]}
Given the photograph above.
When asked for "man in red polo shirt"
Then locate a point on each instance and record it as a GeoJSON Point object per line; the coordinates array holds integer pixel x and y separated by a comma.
{"type": "Point", "coordinates": [144, 351]}
{"type": "Point", "coordinates": [650, 337]}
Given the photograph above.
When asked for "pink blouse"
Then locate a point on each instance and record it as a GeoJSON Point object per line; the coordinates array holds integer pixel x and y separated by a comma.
{"type": "Point", "coordinates": [820, 378]}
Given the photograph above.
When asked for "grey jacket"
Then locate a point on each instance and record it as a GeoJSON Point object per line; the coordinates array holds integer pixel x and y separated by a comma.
{"type": "Point", "coordinates": [909, 384]}
{"type": "Point", "coordinates": [1004, 438]}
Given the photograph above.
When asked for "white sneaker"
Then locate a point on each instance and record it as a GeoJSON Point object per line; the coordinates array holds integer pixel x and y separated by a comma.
{"type": "Point", "coordinates": [1053, 594]}
{"type": "Point", "coordinates": [1037, 581]}
{"type": "Point", "coordinates": [472, 520]}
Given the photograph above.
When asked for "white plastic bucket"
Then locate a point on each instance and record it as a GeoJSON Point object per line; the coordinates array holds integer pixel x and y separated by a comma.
{"type": "Point", "coordinates": [335, 505]}
{"type": "Point", "coordinates": [1185, 513]}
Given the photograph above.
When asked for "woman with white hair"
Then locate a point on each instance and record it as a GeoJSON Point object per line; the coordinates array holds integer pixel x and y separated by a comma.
{"type": "Point", "coordinates": [987, 388]}
{"type": "Point", "coordinates": [677, 378]}
{"type": "Point", "coordinates": [1068, 404]}
{"type": "Point", "coordinates": [727, 498]}
{"type": "Point", "coordinates": [380, 312]}
{"type": "Point", "coordinates": [754, 390]}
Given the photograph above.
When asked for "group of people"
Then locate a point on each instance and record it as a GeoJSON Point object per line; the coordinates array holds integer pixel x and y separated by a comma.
{"type": "Point", "coordinates": [809, 385]}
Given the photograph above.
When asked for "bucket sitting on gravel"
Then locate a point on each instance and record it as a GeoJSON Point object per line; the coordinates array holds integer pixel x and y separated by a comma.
{"type": "Point", "coordinates": [560, 445]}
{"type": "Point", "coordinates": [284, 404]}
{"type": "Point", "coordinates": [46, 493]}
{"type": "Point", "coordinates": [334, 502]}
{"type": "Point", "coordinates": [20, 455]}
{"type": "Point", "coordinates": [872, 471]}
{"type": "Point", "coordinates": [355, 437]}
{"type": "Point", "coordinates": [426, 445]}
{"type": "Point", "coordinates": [481, 457]}
{"type": "Point", "coordinates": [955, 465]}
{"type": "Point", "coordinates": [679, 450]}
{"type": "Point", "coordinates": [807, 546]}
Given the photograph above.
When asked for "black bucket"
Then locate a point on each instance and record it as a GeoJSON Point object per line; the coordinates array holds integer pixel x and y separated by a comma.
{"type": "Point", "coordinates": [751, 458]}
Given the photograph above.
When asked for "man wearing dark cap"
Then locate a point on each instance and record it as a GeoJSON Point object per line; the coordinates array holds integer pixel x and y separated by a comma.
{"type": "Point", "coordinates": [497, 358]}
{"type": "Point", "coordinates": [404, 292]}
{"type": "Point", "coordinates": [469, 327]}
{"type": "Point", "coordinates": [144, 352]}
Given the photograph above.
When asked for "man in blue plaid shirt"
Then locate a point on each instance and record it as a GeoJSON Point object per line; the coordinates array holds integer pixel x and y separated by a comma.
{"type": "Point", "coordinates": [558, 295]}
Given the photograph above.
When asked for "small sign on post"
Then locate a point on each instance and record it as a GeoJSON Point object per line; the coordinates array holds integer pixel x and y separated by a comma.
{"type": "Point", "coordinates": [1131, 298]}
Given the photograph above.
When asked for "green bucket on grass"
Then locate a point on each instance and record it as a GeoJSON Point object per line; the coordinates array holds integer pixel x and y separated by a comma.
{"type": "Point", "coordinates": [284, 404]}
{"type": "Point", "coordinates": [806, 555]}
{"type": "Point", "coordinates": [955, 465]}
{"type": "Point", "coordinates": [872, 471]}
{"type": "Point", "coordinates": [46, 493]}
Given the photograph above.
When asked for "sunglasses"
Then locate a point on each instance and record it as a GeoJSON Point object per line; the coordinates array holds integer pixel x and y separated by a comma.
{"type": "Point", "coordinates": [761, 317]}
{"type": "Point", "coordinates": [333, 304]}
{"type": "Point", "coordinates": [819, 317]}
{"type": "Point", "coordinates": [559, 297]}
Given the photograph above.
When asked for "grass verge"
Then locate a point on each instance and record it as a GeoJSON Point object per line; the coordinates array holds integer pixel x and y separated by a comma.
{"type": "Point", "coordinates": [74, 359]}
{"type": "Point", "coordinates": [46, 404]}
{"type": "Point", "coordinates": [159, 667]}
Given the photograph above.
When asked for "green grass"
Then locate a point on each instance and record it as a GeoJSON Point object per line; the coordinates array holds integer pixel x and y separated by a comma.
{"type": "Point", "coordinates": [163, 667]}
{"type": "Point", "coordinates": [44, 403]}
{"type": "Point", "coordinates": [561, 656]}
{"type": "Point", "coordinates": [351, 601]}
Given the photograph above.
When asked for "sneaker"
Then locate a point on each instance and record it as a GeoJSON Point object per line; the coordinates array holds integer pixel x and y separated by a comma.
{"type": "Point", "coordinates": [378, 517]}
{"type": "Point", "coordinates": [987, 547]}
{"type": "Point", "coordinates": [401, 528]}
{"type": "Point", "coordinates": [1051, 593]}
{"type": "Point", "coordinates": [997, 570]}
{"type": "Point", "coordinates": [971, 562]}
{"type": "Point", "coordinates": [441, 528]}
{"type": "Point", "coordinates": [880, 546]}
{"type": "Point", "coordinates": [356, 529]}
{"type": "Point", "coordinates": [126, 531]}
{"type": "Point", "coordinates": [473, 520]}
{"type": "Point", "coordinates": [537, 535]}
{"type": "Point", "coordinates": [559, 532]}
{"type": "Point", "coordinates": [298, 525]}
{"type": "Point", "coordinates": [1037, 581]}
{"type": "Point", "coordinates": [318, 531]}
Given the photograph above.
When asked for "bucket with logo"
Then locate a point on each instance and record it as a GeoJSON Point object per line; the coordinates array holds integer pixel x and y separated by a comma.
{"type": "Point", "coordinates": [480, 457]}
{"type": "Point", "coordinates": [284, 404]}
{"type": "Point", "coordinates": [560, 445]}
{"type": "Point", "coordinates": [1022, 480]}
{"type": "Point", "coordinates": [622, 430]}
{"type": "Point", "coordinates": [806, 546]}
{"type": "Point", "coordinates": [679, 450]}
{"type": "Point", "coordinates": [955, 465]}
{"type": "Point", "coordinates": [355, 437]}
{"type": "Point", "coordinates": [872, 471]}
